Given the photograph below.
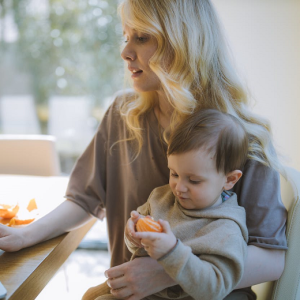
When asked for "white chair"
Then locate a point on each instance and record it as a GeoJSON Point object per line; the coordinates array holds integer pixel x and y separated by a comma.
{"type": "Point", "coordinates": [28, 155]}
{"type": "Point", "coordinates": [288, 286]}
{"type": "Point", "coordinates": [18, 115]}
{"type": "Point", "coordinates": [69, 122]}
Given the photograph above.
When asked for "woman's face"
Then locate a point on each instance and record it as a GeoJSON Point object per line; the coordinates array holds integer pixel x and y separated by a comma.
{"type": "Point", "coordinates": [138, 50]}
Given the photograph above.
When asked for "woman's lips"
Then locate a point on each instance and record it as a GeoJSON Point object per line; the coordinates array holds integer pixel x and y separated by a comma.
{"type": "Point", "coordinates": [136, 74]}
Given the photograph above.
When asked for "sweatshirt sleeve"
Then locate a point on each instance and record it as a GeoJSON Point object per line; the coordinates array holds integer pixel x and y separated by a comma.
{"type": "Point", "coordinates": [214, 275]}
{"type": "Point", "coordinates": [144, 209]}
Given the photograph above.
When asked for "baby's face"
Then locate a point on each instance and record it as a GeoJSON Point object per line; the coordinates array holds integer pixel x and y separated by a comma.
{"type": "Point", "coordinates": [194, 179]}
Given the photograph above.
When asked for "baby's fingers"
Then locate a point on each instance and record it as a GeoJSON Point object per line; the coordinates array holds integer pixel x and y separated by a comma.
{"type": "Point", "coordinates": [165, 225]}
{"type": "Point", "coordinates": [145, 235]}
{"type": "Point", "coordinates": [134, 216]}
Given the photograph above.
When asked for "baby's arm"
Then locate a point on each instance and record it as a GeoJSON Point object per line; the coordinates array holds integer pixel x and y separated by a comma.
{"type": "Point", "coordinates": [211, 275]}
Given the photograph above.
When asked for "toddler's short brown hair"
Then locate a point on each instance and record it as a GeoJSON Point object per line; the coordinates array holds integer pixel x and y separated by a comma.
{"type": "Point", "coordinates": [217, 132]}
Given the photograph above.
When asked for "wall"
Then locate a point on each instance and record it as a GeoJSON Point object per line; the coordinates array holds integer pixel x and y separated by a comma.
{"type": "Point", "coordinates": [264, 36]}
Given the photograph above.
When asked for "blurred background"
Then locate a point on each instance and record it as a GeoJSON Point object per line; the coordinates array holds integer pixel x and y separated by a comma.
{"type": "Point", "coordinates": [60, 65]}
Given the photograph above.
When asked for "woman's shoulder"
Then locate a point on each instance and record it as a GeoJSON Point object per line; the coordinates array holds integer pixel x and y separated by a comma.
{"type": "Point", "coordinates": [258, 169]}
{"type": "Point", "coordinates": [123, 96]}
{"type": "Point", "coordinates": [115, 102]}
{"type": "Point", "coordinates": [112, 119]}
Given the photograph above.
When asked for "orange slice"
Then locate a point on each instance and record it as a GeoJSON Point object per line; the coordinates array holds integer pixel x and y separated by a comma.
{"type": "Point", "coordinates": [148, 224]}
{"type": "Point", "coordinates": [4, 221]}
{"type": "Point", "coordinates": [24, 217]}
{"type": "Point", "coordinates": [8, 211]}
{"type": "Point", "coordinates": [31, 205]}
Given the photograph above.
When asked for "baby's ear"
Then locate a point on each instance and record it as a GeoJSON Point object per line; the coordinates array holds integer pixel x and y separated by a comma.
{"type": "Point", "coordinates": [232, 179]}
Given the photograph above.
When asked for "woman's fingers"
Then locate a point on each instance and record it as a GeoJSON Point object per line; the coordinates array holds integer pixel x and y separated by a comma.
{"type": "Point", "coordinates": [121, 293]}
{"type": "Point", "coordinates": [142, 277]}
{"type": "Point", "coordinates": [117, 282]}
{"type": "Point", "coordinates": [115, 272]}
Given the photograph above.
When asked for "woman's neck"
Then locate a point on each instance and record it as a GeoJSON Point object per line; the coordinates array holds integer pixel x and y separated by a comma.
{"type": "Point", "coordinates": [163, 110]}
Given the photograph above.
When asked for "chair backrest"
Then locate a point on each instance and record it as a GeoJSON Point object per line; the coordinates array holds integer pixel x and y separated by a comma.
{"type": "Point", "coordinates": [18, 115]}
{"type": "Point", "coordinates": [288, 285]}
{"type": "Point", "coordinates": [69, 122]}
{"type": "Point", "coordinates": [28, 155]}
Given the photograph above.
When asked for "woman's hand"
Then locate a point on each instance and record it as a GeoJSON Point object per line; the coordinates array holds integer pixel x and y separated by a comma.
{"type": "Point", "coordinates": [157, 244]}
{"type": "Point", "coordinates": [130, 229]}
{"type": "Point", "coordinates": [138, 279]}
{"type": "Point", "coordinates": [11, 239]}
{"type": "Point", "coordinates": [66, 217]}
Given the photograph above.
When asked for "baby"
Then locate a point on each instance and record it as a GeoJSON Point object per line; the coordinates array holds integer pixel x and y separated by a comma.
{"type": "Point", "coordinates": [203, 245]}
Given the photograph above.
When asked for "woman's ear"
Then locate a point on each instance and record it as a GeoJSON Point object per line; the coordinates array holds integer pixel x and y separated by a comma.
{"type": "Point", "coordinates": [232, 178]}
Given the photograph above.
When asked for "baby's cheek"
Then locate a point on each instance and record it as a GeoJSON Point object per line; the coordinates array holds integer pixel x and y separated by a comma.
{"type": "Point", "coordinates": [172, 186]}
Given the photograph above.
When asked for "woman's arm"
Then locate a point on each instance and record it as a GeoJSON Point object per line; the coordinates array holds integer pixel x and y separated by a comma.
{"type": "Point", "coordinates": [259, 193]}
{"type": "Point", "coordinates": [262, 265]}
{"type": "Point", "coordinates": [64, 218]}
{"type": "Point", "coordinates": [145, 276]}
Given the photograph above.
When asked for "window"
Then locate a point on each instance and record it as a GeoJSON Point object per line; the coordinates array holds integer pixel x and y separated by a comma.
{"type": "Point", "coordinates": [62, 57]}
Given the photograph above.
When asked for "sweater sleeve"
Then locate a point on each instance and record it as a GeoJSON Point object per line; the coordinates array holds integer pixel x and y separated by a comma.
{"type": "Point", "coordinates": [144, 209]}
{"type": "Point", "coordinates": [214, 275]}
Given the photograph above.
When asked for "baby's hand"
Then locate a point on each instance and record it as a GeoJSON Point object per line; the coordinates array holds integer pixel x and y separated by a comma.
{"type": "Point", "coordinates": [130, 229]}
{"type": "Point", "coordinates": [157, 244]}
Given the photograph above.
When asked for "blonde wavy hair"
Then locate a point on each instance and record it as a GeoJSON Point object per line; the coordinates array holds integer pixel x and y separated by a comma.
{"type": "Point", "coordinates": [201, 74]}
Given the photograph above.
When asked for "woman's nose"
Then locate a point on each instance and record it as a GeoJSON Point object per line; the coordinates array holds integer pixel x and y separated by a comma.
{"type": "Point", "coordinates": [128, 53]}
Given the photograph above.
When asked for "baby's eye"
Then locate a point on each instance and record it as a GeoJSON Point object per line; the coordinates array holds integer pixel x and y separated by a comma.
{"type": "Point", "coordinates": [195, 181]}
{"type": "Point", "coordinates": [174, 175]}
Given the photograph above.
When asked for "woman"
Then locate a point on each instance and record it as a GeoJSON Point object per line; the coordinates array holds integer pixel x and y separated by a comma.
{"type": "Point", "coordinates": [178, 63]}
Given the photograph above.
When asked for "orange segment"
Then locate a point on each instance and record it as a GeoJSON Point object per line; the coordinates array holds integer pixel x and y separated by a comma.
{"type": "Point", "coordinates": [31, 205]}
{"type": "Point", "coordinates": [148, 224]}
{"type": "Point", "coordinates": [24, 217]}
{"type": "Point", "coordinates": [4, 221]}
{"type": "Point", "coordinates": [8, 211]}
{"type": "Point", "coordinates": [12, 215]}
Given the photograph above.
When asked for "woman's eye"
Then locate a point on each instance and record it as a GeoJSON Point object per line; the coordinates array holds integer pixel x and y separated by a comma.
{"type": "Point", "coordinates": [138, 39]}
{"type": "Point", "coordinates": [141, 39]}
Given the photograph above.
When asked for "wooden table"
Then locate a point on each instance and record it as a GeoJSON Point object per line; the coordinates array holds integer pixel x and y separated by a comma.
{"type": "Point", "coordinates": [26, 272]}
